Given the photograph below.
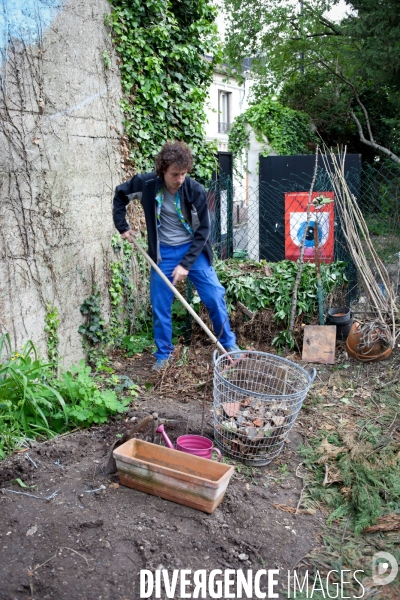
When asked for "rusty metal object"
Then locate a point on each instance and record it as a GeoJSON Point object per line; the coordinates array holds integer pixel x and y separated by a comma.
{"type": "Point", "coordinates": [319, 344]}
{"type": "Point", "coordinates": [110, 466]}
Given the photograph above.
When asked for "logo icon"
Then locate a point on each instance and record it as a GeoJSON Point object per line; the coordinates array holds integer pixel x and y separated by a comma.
{"type": "Point", "coordinates": [384, 568]}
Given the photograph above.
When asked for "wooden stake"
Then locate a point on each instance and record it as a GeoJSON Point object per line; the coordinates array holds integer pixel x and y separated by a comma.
{"type": "Point", "coordinates": [301, 257]}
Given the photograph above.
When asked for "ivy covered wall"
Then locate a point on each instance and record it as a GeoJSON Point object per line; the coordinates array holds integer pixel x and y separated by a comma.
{"type": "Point", "coordinates": [162, 47]}
{"type": "Point", "coordinates": [62, 89]}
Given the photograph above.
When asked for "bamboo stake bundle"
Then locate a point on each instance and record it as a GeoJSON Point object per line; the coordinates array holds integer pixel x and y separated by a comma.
{"type": "Point", "coordinates": [359, 242]}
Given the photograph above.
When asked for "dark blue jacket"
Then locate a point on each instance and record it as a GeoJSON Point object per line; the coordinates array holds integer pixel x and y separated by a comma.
{"type": "Point", "coordinates": [194, 207]}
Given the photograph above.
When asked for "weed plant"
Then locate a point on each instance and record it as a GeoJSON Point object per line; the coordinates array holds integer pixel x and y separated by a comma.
{"type": "Point", "coordinates": [86, 403]}
{"type": "Point", "coordinates": [28, 401]}
{"type": "Point", "coordinates": [137, 343]}
{"type": "Point", "coordinates": [35, 404]}
{"type": "Point", "coordinates": [52, 322]}
{"type": "Point", "coordinates": [247, 282]}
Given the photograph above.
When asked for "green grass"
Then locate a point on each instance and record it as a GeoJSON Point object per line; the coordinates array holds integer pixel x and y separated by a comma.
{"type": "Point", "coordinates": [353, 474]}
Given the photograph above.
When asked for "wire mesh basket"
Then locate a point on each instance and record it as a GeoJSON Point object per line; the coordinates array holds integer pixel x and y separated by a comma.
{"type": "Point", "coordinates": [257, 397]}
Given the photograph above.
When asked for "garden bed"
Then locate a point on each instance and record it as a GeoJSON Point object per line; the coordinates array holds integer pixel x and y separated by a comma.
{"type": "Point", "coordinates": [92, 537]}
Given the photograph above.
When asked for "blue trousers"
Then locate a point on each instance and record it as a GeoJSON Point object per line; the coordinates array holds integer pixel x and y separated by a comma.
{"type": "Point", "coordinates": [211, 292]}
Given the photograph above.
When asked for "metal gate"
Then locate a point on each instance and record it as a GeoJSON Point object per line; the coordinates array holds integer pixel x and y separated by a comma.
{"type": "Point", "coordinates": [285, 182]}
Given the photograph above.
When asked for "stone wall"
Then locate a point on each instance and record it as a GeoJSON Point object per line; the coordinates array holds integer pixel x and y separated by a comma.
{"type": "Point", "coordinates": [60, 131]}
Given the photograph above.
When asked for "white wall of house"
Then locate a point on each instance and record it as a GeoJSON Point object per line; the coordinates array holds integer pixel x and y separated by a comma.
{"type": "Point", "coordinates": [226, 101]}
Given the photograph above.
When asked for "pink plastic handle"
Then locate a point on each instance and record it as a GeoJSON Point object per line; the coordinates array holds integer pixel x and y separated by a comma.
{"type": "Point", "coordinates": [214, 449]}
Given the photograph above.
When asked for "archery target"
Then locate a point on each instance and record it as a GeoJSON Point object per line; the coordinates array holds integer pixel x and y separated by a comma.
{"type": "Point", "coordinates": [297, 229]}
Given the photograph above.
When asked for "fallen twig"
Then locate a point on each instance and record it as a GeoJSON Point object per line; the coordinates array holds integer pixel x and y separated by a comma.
{"type": "Point", "coordinates": [345, 528]}
{"type": "Point", "coordinates": [245, 310]}
{"type": "Point", "coordinates": [160, 383]}
{"type": "Point", "coordinates": [78, 553]}
{"type": "Point", "coordinates": [32, 461]}
{"type": "Point", "coordinates": [380, 447]}
{"type": "Point", "coordinates": [53, 495]}
{"type": "Point", "coordinates": [292, 510]}
{"type": "Point", "coordinates": [102, 487]}
{"type": "Point", "coordinates": [32, 495]}
{"type": "Point", "coordinates": [45, 562]}
{"type": "Point", "coordinates": [326, 478]}
{"type": "Point", "coordinates": [299, 561]}
{"type": "Point", "coordinates": [54, 556]}
{"type": "Point", "coordinates": [395, 380]}
{"type": "Point", "coordinates": [302, 490]}
{"type": "Point", "coordinates": [392, 423]}
{"type": "Point", "coordinates": [200, 384]}
{"type": "Point", "coordinates": [56, 437]}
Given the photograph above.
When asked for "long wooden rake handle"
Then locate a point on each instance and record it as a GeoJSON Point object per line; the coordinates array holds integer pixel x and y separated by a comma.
{"type": "Point", "coordinates": [179, 296]}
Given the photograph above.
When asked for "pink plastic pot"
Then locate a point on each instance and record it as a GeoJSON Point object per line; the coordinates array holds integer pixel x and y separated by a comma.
{"type": "Point", "coordinates": [192, 444]}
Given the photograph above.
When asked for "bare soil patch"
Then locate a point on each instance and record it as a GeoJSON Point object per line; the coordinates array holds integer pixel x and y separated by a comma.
{"type": "Point", "coordinates": [90, 540]}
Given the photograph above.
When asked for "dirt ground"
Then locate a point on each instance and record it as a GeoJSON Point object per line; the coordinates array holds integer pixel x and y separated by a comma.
{"type": "Point", "coordinates": [82, 536]}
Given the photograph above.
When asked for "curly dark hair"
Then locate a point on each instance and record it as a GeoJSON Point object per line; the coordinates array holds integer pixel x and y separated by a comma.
{"type": "Point", "coordinates": [174, 153]}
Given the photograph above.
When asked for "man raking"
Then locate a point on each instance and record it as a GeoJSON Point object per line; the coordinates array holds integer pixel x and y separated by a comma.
{"type": "Point", "coordinates": [178, 230]}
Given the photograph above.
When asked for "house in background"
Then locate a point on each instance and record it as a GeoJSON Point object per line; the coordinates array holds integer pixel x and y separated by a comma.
{"type": "Point", "coordinates": [226, 101]}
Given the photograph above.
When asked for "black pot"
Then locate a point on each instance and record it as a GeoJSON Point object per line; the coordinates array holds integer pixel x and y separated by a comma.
{"type": "Point", "coordinates": [343, 319]}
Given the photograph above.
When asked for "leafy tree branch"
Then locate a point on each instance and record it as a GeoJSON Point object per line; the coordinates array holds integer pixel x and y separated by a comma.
{"type": "Point", "coordinates": [373, 144]}
{"type": "Point", "coordinates": [285, 130]}
{"type": "Point", "coordinates": [291, 48]}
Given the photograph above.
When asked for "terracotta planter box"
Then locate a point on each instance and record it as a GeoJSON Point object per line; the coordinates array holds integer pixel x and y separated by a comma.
{"type": "Point", "coordinates": [196, 482]}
